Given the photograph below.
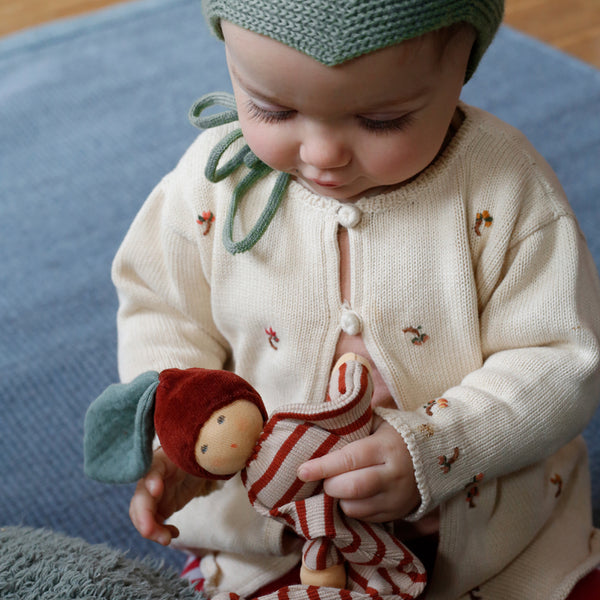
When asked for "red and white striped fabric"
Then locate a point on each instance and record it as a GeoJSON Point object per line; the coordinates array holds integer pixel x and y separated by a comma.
{"type": "Point", "coordinates": [378, 565]}
{"type": "Point", "coordinates": [309, 592]}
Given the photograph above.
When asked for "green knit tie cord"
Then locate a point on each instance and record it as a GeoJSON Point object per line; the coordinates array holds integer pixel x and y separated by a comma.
{"type": "Point", "coordinates": [244, 156]}
{"type": "Point", "coordinates": [332, 32]}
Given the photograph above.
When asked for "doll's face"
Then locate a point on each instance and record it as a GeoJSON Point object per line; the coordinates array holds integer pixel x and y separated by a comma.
{"type": "Point", "coordinates": [228, 437]}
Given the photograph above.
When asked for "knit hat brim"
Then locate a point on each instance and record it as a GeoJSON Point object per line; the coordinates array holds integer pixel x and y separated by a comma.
{"type": "Point", "coordinates": [335, 31]}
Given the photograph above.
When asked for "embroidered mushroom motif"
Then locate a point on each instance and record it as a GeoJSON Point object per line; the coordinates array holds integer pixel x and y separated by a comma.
{"type": "Point", "coordinates": [273, 339]}
{"type": "Point", "coordinates": [447, 463]}
{"type": "Point", "coordinates": [207, 219]}
{"type": "Point", "coordinates": [440, 402]}
{"type": "Point", "coordinates": [419, 337]}
{"type": "Point", "coordinates": [483, 218]}
{"type": "Point", "coordinates": [473, 489]}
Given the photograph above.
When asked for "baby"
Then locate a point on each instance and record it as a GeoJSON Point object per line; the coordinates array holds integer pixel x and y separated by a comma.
{"type": "Point", "coordinates": [348, 201]}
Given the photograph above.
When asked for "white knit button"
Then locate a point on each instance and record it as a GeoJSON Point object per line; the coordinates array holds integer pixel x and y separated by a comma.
{"type": "Point", "coordinates": [349, 215]}
{"type": "Point", "coordinates": [350, 322]}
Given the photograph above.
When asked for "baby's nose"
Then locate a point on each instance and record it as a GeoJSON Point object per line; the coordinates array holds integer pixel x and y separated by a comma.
{"type": "Point", "coordinates": [323, 149]}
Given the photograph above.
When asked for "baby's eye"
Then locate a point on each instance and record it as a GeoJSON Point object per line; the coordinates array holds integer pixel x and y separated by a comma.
{"type": "Point", "coordinates": [386, 125]}
{"type": "Point", "coordinates": [221, 419]}
{"type": "Point", "coordinates": [267, 116]}
{"type": "Point", "coordinates": [204, 448]}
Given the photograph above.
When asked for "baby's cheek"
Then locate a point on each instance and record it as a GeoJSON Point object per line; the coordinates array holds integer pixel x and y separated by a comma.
{"type": "Point", "coordinates": [271, 149]}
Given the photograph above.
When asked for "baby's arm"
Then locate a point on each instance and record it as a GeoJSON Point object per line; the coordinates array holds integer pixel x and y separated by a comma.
{"type": "Point", "coordinates": [536, 389]}
{"type": "Point", "coordinates": [539, 381]}
{"type": "Point", "coordinates": [164, 318]}
{"type": "Point", "coordinates": [373, 477]}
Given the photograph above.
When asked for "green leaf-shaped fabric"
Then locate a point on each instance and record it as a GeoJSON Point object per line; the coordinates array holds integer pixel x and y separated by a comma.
{"type": "Point", "coordinates": [119, 429]}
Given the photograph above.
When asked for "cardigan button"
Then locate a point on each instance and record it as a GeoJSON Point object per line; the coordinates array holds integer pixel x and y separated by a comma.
{"type": "Point", "coordinates": [349, 215]}
{"type": "Point", "coordinates": [350, 322]}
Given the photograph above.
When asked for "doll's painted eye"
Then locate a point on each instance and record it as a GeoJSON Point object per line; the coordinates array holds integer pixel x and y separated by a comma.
{"type": "Point", "coordinates": [221, 419]}
{"type": "Point", "coordinates": [204, 448]}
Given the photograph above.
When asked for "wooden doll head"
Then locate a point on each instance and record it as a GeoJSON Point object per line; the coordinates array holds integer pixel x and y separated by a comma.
{"type": "Point", "coordinates": [207, 421]}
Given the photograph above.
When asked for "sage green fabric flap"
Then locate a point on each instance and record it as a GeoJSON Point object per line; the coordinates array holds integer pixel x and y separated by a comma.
{"type": "Point", "coordinates": [119, 429]}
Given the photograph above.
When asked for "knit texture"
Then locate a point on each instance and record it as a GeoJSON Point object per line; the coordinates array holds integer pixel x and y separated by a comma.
{"type": "Point", "coordinates": [378, 565]}
{"type": "Point", "coordinates": [510, 309]}
{"type": "Point", "coordinates": [335, 31]}
{"type": "Point", "coordinates": [38, 564]}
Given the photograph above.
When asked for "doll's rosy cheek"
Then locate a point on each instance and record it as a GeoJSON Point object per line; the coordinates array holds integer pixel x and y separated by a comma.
{"type": "Point", "coordinates": [207, 460]}
{"type": "Point", "coordinates": [216, 463]}
{"type": "Point", "coordinates": [227, 438]}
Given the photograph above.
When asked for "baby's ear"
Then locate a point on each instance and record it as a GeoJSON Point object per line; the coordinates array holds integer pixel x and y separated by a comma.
{"type": "Point", "coordinates": [119, 429]}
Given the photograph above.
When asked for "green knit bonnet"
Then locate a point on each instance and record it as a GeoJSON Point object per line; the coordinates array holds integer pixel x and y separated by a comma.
{"type": "Point", "coordinates": [332, 32]}
{"type": "Point", "coordinates": [335, 31]}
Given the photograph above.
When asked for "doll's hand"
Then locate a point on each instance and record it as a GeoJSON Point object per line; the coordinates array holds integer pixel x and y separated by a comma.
{"type": "Point", "coordinates": [373, 477]}
{"type": "Point", "coordinates": [164, 490]}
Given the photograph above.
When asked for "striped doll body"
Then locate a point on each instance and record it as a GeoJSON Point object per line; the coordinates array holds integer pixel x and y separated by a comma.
{"type": "Point", "coordinates": [377, 563]}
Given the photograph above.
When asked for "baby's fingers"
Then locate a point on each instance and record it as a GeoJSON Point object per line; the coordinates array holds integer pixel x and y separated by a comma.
{"type": "Point", "coordinates": [356, 455]}
{"type": "Point", "coordinates": [154, 481]}
{"type": "Point", "coordinates": [143, 512]}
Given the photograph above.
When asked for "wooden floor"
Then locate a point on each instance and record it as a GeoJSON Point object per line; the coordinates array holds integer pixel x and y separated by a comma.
{"type": "Point", "coordinates": [571, 25]}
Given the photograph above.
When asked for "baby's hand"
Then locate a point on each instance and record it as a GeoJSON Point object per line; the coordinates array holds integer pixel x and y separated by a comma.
{"type": "Point", "coordinates": [373, 477]}
{"type": "Point", "coordinates": [164, 490]}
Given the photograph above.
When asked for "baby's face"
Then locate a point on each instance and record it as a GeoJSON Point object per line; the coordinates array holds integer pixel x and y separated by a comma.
{"type": "Point", "coordinates": [350, 130]}
{"type": "Point", "coordinates": [228, 437]}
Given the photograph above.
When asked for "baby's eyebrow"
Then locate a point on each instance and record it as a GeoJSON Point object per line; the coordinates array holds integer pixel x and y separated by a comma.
{"type": "Point", "coordinates": [396, 104]}
{"type": "Point", "coordinates": [253, 91]}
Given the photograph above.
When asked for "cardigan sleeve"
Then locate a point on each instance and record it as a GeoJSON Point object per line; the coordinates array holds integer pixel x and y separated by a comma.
{"type": "Point", "coordinates": [162, 280]}
{"type": "Point", "coordinates": [539, 383]}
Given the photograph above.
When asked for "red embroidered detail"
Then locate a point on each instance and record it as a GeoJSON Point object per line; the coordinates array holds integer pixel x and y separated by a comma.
{"type": "Point", "coordinates": [473, 489]}
{"type": "Point", "coordinates": [483, 218]}
{"type": "Point", "coordinates": [441, 402]}
{"type": "Point", "coordinates": [420, 337]}
{"type": "Point", "coordinates": [448, 462]}
{"type": "Point", "coordinates": [558, 482]}
{"type": "Point", "coordinates": [273, 339]}
{"type": "Point", "coordinates": [207, 219]}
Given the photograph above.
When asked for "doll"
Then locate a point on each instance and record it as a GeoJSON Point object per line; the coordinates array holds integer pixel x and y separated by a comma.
{"type": "Point", "coordinates": [213, 424]}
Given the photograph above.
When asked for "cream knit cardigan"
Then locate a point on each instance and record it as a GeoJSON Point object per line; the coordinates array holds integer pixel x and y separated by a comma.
{"type": "Point", "coordinates": [477, 299]}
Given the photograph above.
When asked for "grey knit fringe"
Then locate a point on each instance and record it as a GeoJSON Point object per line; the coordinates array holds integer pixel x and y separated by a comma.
{"type": "Point", "coordinates": [37, 564]}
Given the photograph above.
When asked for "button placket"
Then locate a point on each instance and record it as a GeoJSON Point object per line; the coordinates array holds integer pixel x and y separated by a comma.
{"type": "Point", "coordinates": [350, 322]}
{"type": "Point", "coordinates": [349, 215]}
